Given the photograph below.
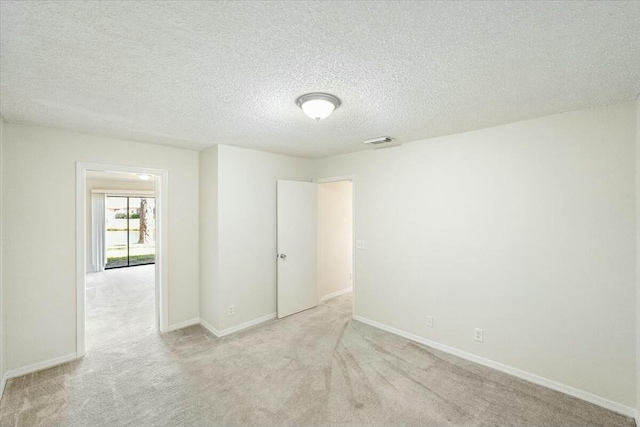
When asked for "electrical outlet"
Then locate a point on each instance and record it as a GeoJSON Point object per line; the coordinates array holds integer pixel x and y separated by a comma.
{"type": "Point", "coordinates": [231, 310]}
{"type": "Point", "coordinates": [430, 321]}
{"type": "Point", "coordinates": [360, 244]}
{"type": "Point", "coordinates": [478, 335]}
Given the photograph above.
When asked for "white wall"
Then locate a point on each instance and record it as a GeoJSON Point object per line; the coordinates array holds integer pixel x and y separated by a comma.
{"type": "Point", "coordinates": [209, 284]}
{"type": "Point", "coordinates": [525, 230]}
{"type": "Point", "coordinates": [247, 229]}
{"type": "Point", "coordinates": [638, 259]}
{"type": "Point", "coordinates": [334, 237]}
{"type": "Point", "coordinates": [2, 322]}
{"type": "Point", "coordinates": [39, 240]}
{"type": "Point", "coordinates": [106, 184]}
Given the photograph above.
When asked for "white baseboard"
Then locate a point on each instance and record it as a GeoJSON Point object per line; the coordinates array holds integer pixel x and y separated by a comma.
{"type": "Point", "coordinates": [246, 325]}
{"type": "Point", "coordinates": [3, 383]}
{"type": "Point", "coordinates": [571, 391]}
{"type": "Point", "coordinates": [73, 356]}
{"type": "Point", "coordinates": [237, 328]}
{"type": "Point", "coordinates": [184, 324]}
{"type": "Point", "coordinates": [209, 328]}
{"type": "Point", "coordinates": [40, 366]}
{"type": "Point", "coordinates": [336, 294]}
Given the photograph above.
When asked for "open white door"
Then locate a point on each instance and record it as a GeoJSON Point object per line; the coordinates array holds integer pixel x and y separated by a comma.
{"type": "Point", "coordinates": [297, 246]}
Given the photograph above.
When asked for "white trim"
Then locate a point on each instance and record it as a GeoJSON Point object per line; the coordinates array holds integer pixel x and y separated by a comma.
{"type": "Point", "coordinates": [336, 294]}
{"type": "Point", "coordinates": [123, 192]}
{"type": "Point", "coordinates": [162, 250]}
{"type": "Point", "coordinates": [81, 183]}
{"type": "Point", "coordinates": [40, 366]}
{"type": "Point", "coordinates": [161, 266]}
{"type": "Point", "coordinates": [637, 146]}
{"type": "Point", "coordinates": [210, 328]}
{"type": "Point", "coordinates": [184, 324]}
{"type": "Point", "coordinates": [571, 391]}
{"type": "Point", "coordinates": [246, 325]}
{"type": "Point", "coordinates": [236, 328]}
{"type": "Point", "coordinates": [3, 348]}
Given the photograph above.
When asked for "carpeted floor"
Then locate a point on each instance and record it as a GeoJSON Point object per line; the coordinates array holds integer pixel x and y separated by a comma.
{"type": "Point", "coordinates": [120, 305]}
{"type": "Point", "coordinates": [318, 367]}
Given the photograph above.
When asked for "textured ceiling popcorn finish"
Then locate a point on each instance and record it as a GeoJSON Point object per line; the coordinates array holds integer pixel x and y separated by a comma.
{"type": "Point", "coordinates": [194, 74]}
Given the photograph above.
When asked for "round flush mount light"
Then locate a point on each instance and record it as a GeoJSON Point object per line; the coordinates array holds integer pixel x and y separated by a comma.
{"type": "Point", "coordinates": [144, 177]}
{"type": "Point", "coordinates": [318, 105]}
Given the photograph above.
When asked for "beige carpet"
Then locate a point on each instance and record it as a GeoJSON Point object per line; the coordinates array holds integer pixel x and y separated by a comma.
{"type": "Point", "coordinates": [120, 305]}
{"type": "Point", "coordinates": [315, 368]}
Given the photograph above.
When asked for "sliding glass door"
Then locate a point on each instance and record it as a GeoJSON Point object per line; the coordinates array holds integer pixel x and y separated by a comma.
{"type": "Point", "coordinates": [131, 231]}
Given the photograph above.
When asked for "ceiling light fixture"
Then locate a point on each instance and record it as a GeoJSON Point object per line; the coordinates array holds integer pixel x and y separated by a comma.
{"type": "Point", "coordinates": [318, 105]}
{"type": "Point", "coordinates": [144, 177]}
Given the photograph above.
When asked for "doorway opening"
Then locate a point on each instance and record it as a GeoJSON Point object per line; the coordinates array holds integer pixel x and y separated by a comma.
{"type": "Point", "coordinates": [121, 254]}
{"type": "Point", "coordinates": [314, 245]}
{"type": "Point", "coordinates": [120, 301]}
{"type": "Point", "coordinates": [335, 240]}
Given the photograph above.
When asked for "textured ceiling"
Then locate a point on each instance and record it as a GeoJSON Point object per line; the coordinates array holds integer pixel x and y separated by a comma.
{"type": "Point", "coordinates": [193, 74]}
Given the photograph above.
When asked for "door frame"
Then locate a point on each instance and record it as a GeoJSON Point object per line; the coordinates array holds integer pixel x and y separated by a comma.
{"type": "Point", "coordinates": [161, 265]}
{"type": "Point", "coordinates": [351, 178]}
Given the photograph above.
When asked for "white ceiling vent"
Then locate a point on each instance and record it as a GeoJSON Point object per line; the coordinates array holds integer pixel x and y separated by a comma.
{"type": "Point", "coordinates": [379, 140]}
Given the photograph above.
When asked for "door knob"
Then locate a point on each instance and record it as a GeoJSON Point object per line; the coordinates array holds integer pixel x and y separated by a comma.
{"type": "Point", "coordinates": [283, 257]}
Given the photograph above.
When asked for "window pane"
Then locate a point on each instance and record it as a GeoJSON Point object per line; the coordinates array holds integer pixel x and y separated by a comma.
{"type": "Point", "coordinates": [142, 230]}
{"type": "Point", "coordinates": [116, 235]}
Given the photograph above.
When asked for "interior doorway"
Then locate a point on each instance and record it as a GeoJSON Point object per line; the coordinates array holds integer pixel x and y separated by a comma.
{"type": "Point", "coordinates": [335, 238]}
{"type": "Point", "coordinates": [120, 281]}
{"type": "Point", "coordinates": [116, 304]}
{"type": "Point", "coordinates": [315, 235]}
